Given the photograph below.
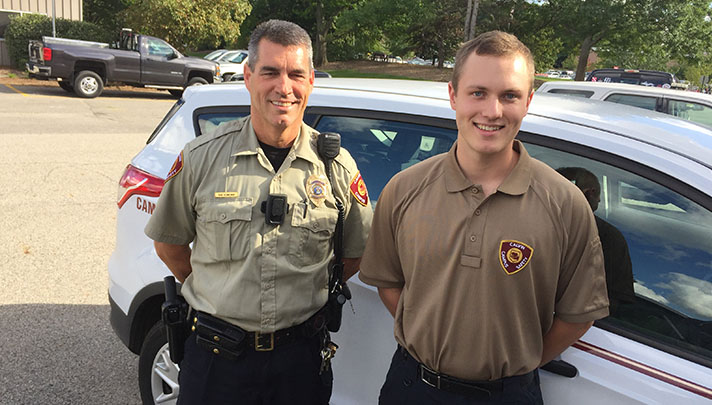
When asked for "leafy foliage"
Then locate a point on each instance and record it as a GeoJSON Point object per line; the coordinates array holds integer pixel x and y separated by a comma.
{"type": "Point", "coordinates": [188, 24]}
{"type": "Point", "coordinates": [28, 27]}
{"type": "Point", "coordinates": [104, 13]}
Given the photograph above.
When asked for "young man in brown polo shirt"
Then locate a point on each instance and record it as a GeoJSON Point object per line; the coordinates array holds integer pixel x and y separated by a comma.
{"type": "Point", "coordinates": [488, 259]}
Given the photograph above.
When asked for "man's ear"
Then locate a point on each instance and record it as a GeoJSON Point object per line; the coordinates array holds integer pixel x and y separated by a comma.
{"type": "Point", "coordinates": [529, 99]}
{"type": "Point", "coordinates": [451, 92]}
{"type": "Point", "coordinates": [247, 73]}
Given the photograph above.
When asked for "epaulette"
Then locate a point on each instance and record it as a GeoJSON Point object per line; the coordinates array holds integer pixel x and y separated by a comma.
{"type": "Point", "coordinates": [222, 130]}
{"type": "Point", "coordinates": [345, 160]}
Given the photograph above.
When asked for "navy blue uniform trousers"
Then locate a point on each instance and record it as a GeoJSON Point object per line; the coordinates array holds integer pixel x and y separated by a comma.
{"type": "Point", "coordinates": [288, 374]}
{"type": "Point", "coordinates": [404, 386]}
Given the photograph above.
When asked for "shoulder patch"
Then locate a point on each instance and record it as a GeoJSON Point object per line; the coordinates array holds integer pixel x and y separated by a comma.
{"type": "Point", "coordinates": [176, 168]}
{"type": "Point", "coordinates": [358, 189]}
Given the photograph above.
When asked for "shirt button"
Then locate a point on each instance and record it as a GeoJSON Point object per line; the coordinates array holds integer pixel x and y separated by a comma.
{"type": "Point", "coordinates": [475, 190]}
{"type": "Point", "coordinates": [315, 225]}
{"type": "Point", "coordinates": [477, 212]}
{"type": "Point", "coordinates": [223, 216]}
{"type": "Point", "coordinates": [473, 238]}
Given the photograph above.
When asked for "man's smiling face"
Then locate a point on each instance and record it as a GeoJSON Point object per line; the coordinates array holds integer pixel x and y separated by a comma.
{"type": "Point", "coordinates": [492, 98]}
{"type": "Point", "coordinates": [279, 87]}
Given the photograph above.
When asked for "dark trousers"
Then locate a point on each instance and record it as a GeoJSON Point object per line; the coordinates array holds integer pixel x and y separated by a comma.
{"type": "Point", "coordinates": [404, 386]}
{"type": "Point", "coordinates": [288, 374]}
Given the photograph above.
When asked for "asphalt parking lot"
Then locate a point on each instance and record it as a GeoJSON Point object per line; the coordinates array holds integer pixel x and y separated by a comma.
{"type": "Point", "coordinates": [60, 161]}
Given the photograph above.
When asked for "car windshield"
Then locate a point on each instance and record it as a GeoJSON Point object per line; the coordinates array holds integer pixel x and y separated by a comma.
{"type": "Point", "coordinates": [236, 58]}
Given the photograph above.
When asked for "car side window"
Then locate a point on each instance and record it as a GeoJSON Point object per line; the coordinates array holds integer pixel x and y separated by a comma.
{"type": "Point", "coordinates": [156, 47]}
{"type": "Point", "coordinates": [646, 102]}
{"type": "Point", "coordinates": [690, 111]}
{"type": "Point", "coordinates": [382, 148]}
{"type": "Point", "coordinates": [657, 247]}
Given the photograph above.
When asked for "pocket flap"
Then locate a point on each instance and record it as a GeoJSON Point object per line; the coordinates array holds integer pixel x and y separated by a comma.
{"type": "Point", "coordinates": [226, 211]}
{"type": "Point", "coordinates": [315, 219]}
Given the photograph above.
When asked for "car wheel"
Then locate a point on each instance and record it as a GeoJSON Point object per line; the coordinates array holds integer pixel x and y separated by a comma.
{"type": "Point", "coordinates": [157, 374]}
{"type": "Point", "coordinates": [197, 81]}
{"type": "Point", "coordinates": [176, 93]}
{"type": "Point", "coordinates": [88, 84]}
{"type": "Point", "coordinates": [66, 86]}
{"type": "Point", "coordinates": [226, 77]}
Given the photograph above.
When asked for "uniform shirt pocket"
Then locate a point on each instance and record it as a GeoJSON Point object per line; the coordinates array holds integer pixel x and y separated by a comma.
{"type": "Point", "coordinates": [312, 229]}
{"type": "Point", "coordinates": [228, 228]}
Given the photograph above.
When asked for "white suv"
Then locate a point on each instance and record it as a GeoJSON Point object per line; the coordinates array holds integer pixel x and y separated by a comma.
{"type": "Point", "coordinates": [656, 179]}
{"type": "Point", "coordinates": [688, 105]}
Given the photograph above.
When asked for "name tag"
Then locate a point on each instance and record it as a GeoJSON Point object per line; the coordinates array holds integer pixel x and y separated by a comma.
{"type": "Point", "coordinates": [225, 195]}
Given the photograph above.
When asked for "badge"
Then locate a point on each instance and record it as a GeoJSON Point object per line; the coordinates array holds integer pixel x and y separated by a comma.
{"type": "Point", "coordinates": [358, 189]}
{"type": "Point", "coordinates": [176, 168]}
{"type": "Point", "coordinates": [514, 255]}
{"type": "Point", "coordinates": [317, 186]}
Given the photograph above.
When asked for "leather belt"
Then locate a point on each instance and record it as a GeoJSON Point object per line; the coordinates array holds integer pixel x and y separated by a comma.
{"type": "Point", "coordinates": [227, 339]}
{"type": "Point", "coordinates": [475, 389]}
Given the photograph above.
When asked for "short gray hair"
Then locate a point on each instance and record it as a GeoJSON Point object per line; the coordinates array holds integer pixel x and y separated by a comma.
{"type": "Point", "coordinates": [280, 32]}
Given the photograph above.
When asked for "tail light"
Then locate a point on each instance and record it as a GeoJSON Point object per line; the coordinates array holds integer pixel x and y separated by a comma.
{"type": "Point", "coordinates": [46, 54]}
{"type": "Point", "coordinates": [135, 181]}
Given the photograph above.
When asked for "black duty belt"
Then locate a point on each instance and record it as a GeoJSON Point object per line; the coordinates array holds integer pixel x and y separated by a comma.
{"type": "Point", "coordinates": [228, 340]}
{"type": "Point", "coordinates": [477, 389]}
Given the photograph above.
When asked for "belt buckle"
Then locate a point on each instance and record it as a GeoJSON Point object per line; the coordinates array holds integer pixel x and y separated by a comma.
{"type": "Point", "coordinates": [425, 380]}
{"type": "Point", "coordinates": [261, 346]}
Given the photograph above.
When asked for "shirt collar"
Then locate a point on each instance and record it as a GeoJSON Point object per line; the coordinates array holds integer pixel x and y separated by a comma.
{"type": "Point", "coordinates": [517, 182]}
{"type": "Point", "coordinates": [247, 144]}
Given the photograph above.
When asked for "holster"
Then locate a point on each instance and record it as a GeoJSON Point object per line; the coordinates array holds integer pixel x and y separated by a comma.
{"type": "Point", "coordinates": [219, 337]}
{"type": "Point", "coordinates": [174, 313]}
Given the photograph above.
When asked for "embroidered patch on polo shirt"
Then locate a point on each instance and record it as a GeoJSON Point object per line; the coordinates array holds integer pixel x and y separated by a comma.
{"type": "Point", "coordinates": [514, 255]}
{"type": "Point", "coordinates": [358, 189]}
{"type": "Point", "coordinates": [176, 168]}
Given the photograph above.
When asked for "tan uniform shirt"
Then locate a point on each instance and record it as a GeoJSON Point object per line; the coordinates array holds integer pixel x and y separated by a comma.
{"type": "Point", "coordinates": [260, 277]}
{"type": "Point", "coordinates": [482, 278]}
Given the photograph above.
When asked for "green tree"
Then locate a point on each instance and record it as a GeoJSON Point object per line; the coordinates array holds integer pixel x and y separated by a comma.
{"type": "Point", "coordinates": [104, 13]}
{"type": "Point", "coordinates": [632, 29]}
{"type": "Point", "coordinates": [188, 24]}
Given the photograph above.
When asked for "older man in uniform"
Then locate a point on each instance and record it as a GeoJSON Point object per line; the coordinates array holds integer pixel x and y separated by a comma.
{"type": "Point", "coordinates": [488, 259]}
{"type": "Point", "coordinates": [255, 200]}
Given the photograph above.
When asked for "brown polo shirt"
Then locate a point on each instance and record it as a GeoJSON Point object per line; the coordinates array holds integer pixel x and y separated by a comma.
{"type": "Point", "coordinates": [483, 278]}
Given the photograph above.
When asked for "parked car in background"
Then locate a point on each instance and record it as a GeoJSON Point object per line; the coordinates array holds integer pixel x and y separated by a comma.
{"type": "Point", "coordinates": [232, 63]}
{"type": "Point", "coordinates": [85, 67]}
{"type": "Point", "coordinates": [215, 54]}
{"type": "Point", "coordinates": [687, 105]}
{"type": "Point", "coordinates": [650, 78]}
{"type": "Point", "coordinates": [655, 173]}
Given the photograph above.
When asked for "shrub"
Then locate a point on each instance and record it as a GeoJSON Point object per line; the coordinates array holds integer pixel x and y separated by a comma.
{"type": "Point", "coordinates": [27, 27]}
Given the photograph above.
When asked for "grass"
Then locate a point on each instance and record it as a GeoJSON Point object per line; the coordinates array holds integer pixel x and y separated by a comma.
{"type": "Point", "coordinates": [11, 75]}
{"type": "Point", "coordinates": [356, 73]}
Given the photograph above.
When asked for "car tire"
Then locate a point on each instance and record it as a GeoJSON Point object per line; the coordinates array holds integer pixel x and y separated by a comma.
{"type": "Point", "coordinates": [157, 374]}
{"type": "Point", "coordinates": [88, 84]}
{"type": "Point", "coordinates": [66, 86]}
{"type": "Point", "coordinates": [176, 93]}
{"type": "Point", "coordinates": [197, 81]}
{"type": "Point", "coordinates": [226, 77]}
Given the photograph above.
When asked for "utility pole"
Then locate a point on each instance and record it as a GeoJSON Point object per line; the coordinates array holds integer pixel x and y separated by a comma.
{"type": "Point", "coordinates": [54, 28]}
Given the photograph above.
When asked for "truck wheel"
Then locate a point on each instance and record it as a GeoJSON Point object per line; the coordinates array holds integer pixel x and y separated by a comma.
{"type": "Point", "coordinates": [176, 93]}
{"type": "Point", "coordinates": [66, 86]}
{"type": "Point", "coordinates": [197, 81]}
{"type": "Point", "coordinates": [88, 84]}
{"type": "Point", "coordinates": [157, 374]}
{"type": "Point", "coordinates": [226, 77]}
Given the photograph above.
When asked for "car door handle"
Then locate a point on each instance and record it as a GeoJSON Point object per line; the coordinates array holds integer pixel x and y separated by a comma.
{"type": "Point", "coordinates": [561, 368]}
